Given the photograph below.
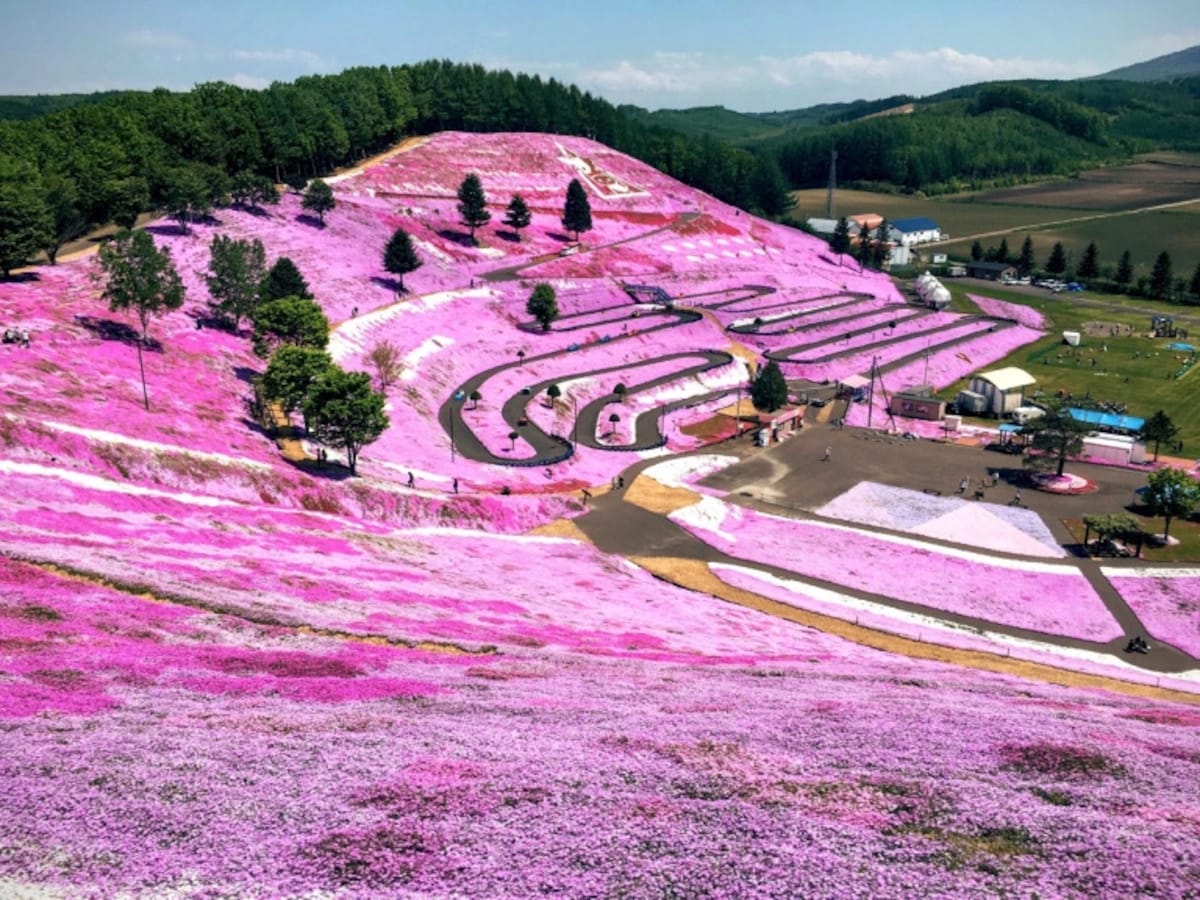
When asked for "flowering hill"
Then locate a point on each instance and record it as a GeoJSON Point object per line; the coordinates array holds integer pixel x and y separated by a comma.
{"type": "Point", "coordinates": [230, 673]}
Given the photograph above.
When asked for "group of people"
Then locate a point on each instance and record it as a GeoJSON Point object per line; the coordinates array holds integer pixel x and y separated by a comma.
{"type": "Point", "coordinates": [17, 336]}
{"type": "Point", "coordinates": [1137, 644]}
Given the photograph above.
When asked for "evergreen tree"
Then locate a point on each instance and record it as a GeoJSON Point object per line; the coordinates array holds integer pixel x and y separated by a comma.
{"type": "Point", "coordinates": [880, 250]}
{"type": "Point", "coordinates": [1089, 265]}
{"type": "Point", "coordinates": [1160, 277]}
{"type": "Point", "coordinates": [399, 256]}
{"type": "Point", "coordinates": [577, 212]}
{"type": "Point", "coordinates": [1057, 434]}
{"type": "Point", "coordinates": [319, 199]}
{"type": "Point", "coordinates": [1194, 286]}
{"type": "Point", "coordinates": [542, 305]}
{"type": "Point", "coordinates": [236, 268]}
{"type": "Point", "coordinates": [1002, 253]}
{"type": "Point", "coordinates": [341, 410]}
{"type": "Point", "coordinates": [1124, 270]}
{"type": "Point", "coordinates": [839, 243]}
{"type": "Point", "coordinates": [768, 389]}
{"type": "Point", "coordinates": [976, 251]}
{"type": "Point", "coordinates": [472, 204]}
{"type": "Point", "coordinates": [1159, 428]}
{"type": "Point", "coordinates": [1025, 261]}
{"type": "Point", "coordinates": [283, 280]}
{"type": "Point", "coordinates": [518, 215]}
{"type": "Point", "coordinates": [1057, 263]}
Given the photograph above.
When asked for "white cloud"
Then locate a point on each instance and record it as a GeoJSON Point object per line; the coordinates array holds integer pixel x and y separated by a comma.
{"type": "Point", "coordinates": [250, 82]}
{"type": "Point", "coordinates": [675, 73]}
{"type": "Point", "coordinates": [162, 40]}
{"type": "Point", "coordinates": [285, 55]}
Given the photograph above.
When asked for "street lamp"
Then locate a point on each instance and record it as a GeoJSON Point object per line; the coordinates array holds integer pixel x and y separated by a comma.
{"type": "Point", "coordinates": [456, 398]}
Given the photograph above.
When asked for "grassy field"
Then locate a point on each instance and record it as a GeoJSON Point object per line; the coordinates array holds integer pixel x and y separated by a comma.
{"type": "Point", "coordinates": [1133, 370]}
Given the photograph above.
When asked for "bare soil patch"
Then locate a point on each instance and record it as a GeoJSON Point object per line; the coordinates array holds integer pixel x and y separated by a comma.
{"type": "Point", "coordinates": [1146, 183]}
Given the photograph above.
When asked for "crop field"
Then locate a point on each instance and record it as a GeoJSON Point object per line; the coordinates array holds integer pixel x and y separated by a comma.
{"type": "Point", "coordinates": [1146, 183]}
{"type": "Point", "coordinates": [1132, 370]}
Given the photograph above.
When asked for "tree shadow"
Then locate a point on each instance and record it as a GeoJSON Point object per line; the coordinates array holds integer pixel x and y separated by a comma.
{"type": "Point", "coordinates": [392, 284]}
{"type": "Point", "coordinates": [172, 230]}
{"type": "Point", "coordinates": [109, 330]}
{"type": "Point", "coordinates": [21, 278]}
{"type": "Point", "coordinates": [462, 238]}
{"type": "Point", "coordinates": [513, 237]}
{"type": "Point", "coordinates": [328, 470]}
{"type": "Point", "coordinates": [311, 221]}
{"type": "Point", "coordinates": [559, 236]}
{"type": "Point", "coordinates": [245, 374]}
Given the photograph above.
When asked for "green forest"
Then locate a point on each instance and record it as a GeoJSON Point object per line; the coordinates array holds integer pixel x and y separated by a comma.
{"type": "Point", "coordinates": [83, 162]}
{"type": "Point", "coordinates": [71, 163]}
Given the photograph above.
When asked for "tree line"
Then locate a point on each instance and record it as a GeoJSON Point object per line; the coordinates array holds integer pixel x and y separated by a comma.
{"type": "Point", "coordinates": [76, 168]}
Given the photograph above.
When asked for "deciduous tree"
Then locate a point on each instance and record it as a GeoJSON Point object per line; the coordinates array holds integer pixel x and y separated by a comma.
{"type": "Point", "coordinates": [126, 198]}
{"type": "Point", "coordinates": [25, 223]}
{"type": "Point", "coordinates": [186, 195]}
{"type": "Point", "coordinates": [400, 257]}
{"type": "Point", "coordinates": [141, 277]}
{"type": "Point", "coordinates": [472, 204]}
{"type": "Point", "coordinates": [236, 269]}
{"type": "Point", "coordinates": [342, 411]}
{"type": "Point", "coordinates": [67, 221]}
{"type": "Point", "coordinates": [1171, 493]}
{"type": "Point", "coordinates": [289, 320]}
{"type": "Point", "coordinates": [577, 212]}
{"type": "Point", "coordinates": [385, 358]}
{"type": "Point", "coordinates": [290, 373]}
{"type": "Point", "coordinates": [542, 305]}
{"type": "Point", "coordinates": [318, 198]}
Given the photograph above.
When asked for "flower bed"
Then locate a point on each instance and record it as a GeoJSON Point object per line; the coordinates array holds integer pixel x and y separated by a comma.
{"type": "Point", "coordinates": [1166, 600]}
{"type": "Point", "coordinates": [1043, 597]}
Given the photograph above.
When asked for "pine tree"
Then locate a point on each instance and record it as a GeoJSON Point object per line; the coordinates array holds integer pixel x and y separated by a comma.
{"type": "Point", "coordinates": [768, 390]}
{"type": "Point", "coordinates": [1025, 261]}
{"type": "Point", "coordinates": [839, 243]}
{"type": "Point", "coordinates": [283, 280]}
{"type": "Point", "coordinates": [472, 204]}
{"type": "Point", "coordinates": [1160, 277]}
{"type": "Point", "coordinates": [1002, 253]}
{"type": "Point", "coordinates": [1089, 265]}
{"type": "Point", "coordinates": [577, 212]}
{"type": "Point", "coordinates": [1057, 263]}
{"type": "Point", "coordinates": [399, 257]}
{"type": "Point", "coordinates": [518, 215]}
{"type": "Point", "coordinates": [1124, 270]}
{"type": "Point", "coordinates": [976, 251]}
{"type": "Point", "coordinates": [1194, 287]}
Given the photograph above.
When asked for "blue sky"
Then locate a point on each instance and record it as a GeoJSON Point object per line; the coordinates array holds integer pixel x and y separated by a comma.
{"type": "Point", "coordinates": [753, 55]}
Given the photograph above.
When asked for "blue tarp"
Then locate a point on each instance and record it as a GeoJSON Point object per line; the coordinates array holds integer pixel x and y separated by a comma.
{"type": "Point", "coordinates": [1009, 428]}
{"type": "Point", "coordinates": [1111, 421]}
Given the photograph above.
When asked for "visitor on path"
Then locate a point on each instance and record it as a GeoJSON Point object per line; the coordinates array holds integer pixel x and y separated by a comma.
{"type": "Point", "coordinates": [411, 483]}
{"type": "Point", "coordinates": [454, 485]}
{"type": "Point", "coordinates": [828, 455]}
{"type": "Point", "coordinates": [587, 495]}
{"type": "Point", "coordinates": [620, 482]}
{"type": "Point", "coordinates": [963, 485]}
{"type": "Point", "coordinates": [1016, 500]}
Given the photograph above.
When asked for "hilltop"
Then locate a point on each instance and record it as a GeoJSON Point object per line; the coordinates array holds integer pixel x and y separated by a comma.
{"type": "Point", "coordinates": [232, 670]}
{"type": "Point", "coordinates": [1181, 64]}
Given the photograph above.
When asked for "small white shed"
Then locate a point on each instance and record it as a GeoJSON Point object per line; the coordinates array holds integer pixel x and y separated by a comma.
{"type": "Point", "coordinates": [1003, 388]}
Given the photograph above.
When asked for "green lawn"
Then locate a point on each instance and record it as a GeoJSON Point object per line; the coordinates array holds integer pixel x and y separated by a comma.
{"type": "Point", "coordinates": [1133, 370]}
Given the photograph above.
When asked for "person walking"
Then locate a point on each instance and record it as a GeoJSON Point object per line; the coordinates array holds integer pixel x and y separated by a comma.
{"type": "Point", "coordinates": [411, 483]}
{"type": "Point", "coordinates": [454, 484]}
{"type": "Point", "coordinates": [828, 455]}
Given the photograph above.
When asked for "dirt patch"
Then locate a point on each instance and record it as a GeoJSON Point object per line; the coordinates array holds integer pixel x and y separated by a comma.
{"type": "Point", "coordinates": [695, 575]}
{"type": "Point", "coordinates": [657, 498]}
{"type": "Point", "coordinates": [560, 528]}
{"type": "Point", "coordinates": [1115, 188]}
{"type": "Point", "coordinates": [1107, 329]}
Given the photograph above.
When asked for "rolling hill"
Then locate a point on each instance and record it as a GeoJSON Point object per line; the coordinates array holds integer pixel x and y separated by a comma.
{"type": "Point", "coordinates": [231, 669]}
{"type": "Point", "coordinates": [1181, 64]}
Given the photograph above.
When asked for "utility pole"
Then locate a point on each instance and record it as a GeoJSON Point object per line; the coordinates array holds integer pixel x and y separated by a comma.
{"type": "Point", "coordinates": [871, 392]}
{"type": "Point", "coordinates": [832, 183]}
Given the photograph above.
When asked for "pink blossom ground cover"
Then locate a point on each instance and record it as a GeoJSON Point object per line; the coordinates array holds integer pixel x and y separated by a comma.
{"type": "Point", "coordinates": [1038, 596]}
{"type": "Point", "coordinates": [1025, 315]}
{"type": "Point", "coordinates": [230, 758]}
{"type": "Point", "coordinates": [1166, 600]}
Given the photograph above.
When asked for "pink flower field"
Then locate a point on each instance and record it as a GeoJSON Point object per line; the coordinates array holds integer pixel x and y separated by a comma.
{"type": "Point", "coordinates": [227, 673]}
{"type": "Point", "coordinates": [1167, 600]}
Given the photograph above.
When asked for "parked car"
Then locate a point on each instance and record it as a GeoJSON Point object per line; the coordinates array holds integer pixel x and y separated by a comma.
{"type": "Point", "coordinates": [1075, 287]}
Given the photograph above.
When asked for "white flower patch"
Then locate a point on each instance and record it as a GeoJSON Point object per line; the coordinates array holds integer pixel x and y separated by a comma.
{"type": "Point", "coordinates": [682, 472]}
{"type": "Point", "coordinates": [709, 514]}
{"type": "Point", "coordinates": [428, 347]}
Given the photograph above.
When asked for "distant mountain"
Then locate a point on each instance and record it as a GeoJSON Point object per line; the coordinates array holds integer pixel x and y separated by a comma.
{"type": "Point", "coordinates": [1182, 64]}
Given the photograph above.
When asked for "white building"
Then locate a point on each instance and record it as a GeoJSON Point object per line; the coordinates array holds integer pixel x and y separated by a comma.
{"type": "Point", "coordinates": [1003, 388]}
{"type": "Point", "coordinates": [917, 230]}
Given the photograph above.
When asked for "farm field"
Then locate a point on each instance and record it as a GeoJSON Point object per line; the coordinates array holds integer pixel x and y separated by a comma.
{"type": "Point", "coordinates": [231, 668]}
